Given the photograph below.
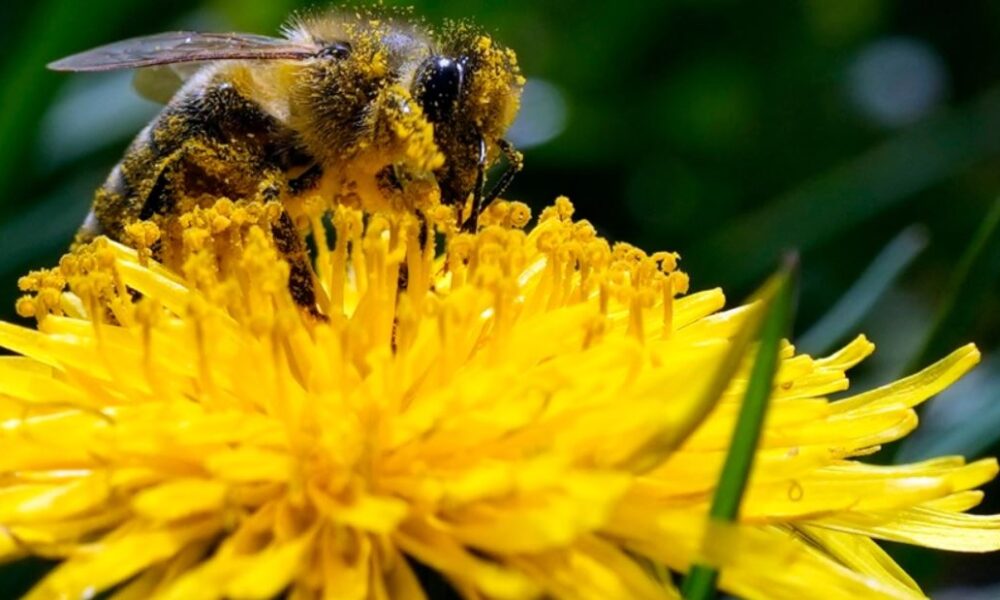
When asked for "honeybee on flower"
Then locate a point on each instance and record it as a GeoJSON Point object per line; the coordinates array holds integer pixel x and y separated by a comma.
{"type": "Point", "coordinates": [344, 101]}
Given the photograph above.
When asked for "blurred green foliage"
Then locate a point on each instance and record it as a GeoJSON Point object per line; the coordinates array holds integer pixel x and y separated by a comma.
{"type": "Point", "coordinates": [729, 131]}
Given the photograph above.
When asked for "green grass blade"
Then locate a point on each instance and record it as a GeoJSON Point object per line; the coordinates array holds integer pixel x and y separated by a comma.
{"type": "Point", "coordinates": [718, 381]}
{"type": "Point", "coordinates": [844, 317]}
{"type": "Point", "coordinates": [736, 470]}
{"type": "Point", "coordinates": [971, 282]}
{"type": "Point", "coordinates": [700, 583]}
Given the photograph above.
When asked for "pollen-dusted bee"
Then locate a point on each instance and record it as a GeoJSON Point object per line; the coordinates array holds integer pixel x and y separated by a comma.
{"type": "Point", "coordinates": [341, 102]}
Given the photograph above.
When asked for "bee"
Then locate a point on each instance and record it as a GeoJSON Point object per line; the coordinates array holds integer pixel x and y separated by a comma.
{"type": "Point", "coordinates": [341, 102]}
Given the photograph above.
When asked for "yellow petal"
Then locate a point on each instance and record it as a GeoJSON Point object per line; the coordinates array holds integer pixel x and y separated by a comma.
{"type": "Point", "coordinates": [525, 524]}
{"type": "Point", "coordinates": [180, 498]}
{"type": "Point", "coordinates": [268, 572]}
{"type": "Point", "coordinates": [401, 582]}
{"type": "Point", "coordinates": [10, 549]}
{"type": "Point", "coordinates": [440, 552]}
{"type": "Point", "coordinates": [34, 382]}
{"type": "Point", "coordinates": [924, 527]}
{"type": "Point", "coordinates": [32, 503]}
{"type": "Point", "coordinates": [249, 464]}
{"type": "Point", "coordinates": [916, 388]}
{"type": "Point", "coordinates": [592, 569]}
{"type": "Point", "coordinates": [343, 568]}
{"type": "Point", "coordinates": [261, 575]}
{"type": "Point", "coordinates": [863, 555]}
{"type": "Point", "coordinates": [378, 514]}
{"type": "Point", "coordinates": [112, 561]}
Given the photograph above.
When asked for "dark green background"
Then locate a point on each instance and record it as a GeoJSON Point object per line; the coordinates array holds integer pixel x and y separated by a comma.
{"type": "Point", "coordinates": [724, 130]}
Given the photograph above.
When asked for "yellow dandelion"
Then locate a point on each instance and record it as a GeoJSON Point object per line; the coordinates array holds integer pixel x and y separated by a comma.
{"type": "Point", "coordinates": [521, 413]}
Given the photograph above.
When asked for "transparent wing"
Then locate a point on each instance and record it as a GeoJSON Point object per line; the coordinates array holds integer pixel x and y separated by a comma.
{"type": "Point", "coordinates": [183, 47]}
{"type": "Point", "coordinates": [159, 83]}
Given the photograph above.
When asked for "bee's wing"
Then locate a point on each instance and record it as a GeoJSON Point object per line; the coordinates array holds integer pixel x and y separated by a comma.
{"type": "Point", "coordinates": [183, 47]}
{"type": "Point", "coordinates": [159, 83]}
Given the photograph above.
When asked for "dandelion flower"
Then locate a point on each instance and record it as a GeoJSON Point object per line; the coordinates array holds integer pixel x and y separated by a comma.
{"type": "Point", "coordinates": [520, 412]}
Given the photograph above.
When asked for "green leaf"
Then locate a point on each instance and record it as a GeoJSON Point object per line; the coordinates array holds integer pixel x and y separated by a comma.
{"type": "Point", "coordinates": [844, 317]}
{"type": "Point", "coordinates": [700, 583]}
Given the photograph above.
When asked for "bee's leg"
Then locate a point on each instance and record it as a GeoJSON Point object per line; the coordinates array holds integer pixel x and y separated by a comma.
{"type": "Point", "coordinates": [472, 223]}
{"type": "Point", "coordinates": [481, 201]}
{"type": "Point", "coordinates": [290, 245]}
{"type": "Point", "coordinates": [423, 235]}
{"type": "Point", "coordinates": [269, 192]}
{"type": "Point", "coordinates": [403, 282]}
{"type": "Point", "coordinates": [179, 174]}
{"type": "Point", "coordinates": [515, 162]}
{"type": "Point", "coordinates": [389, 179]}
{"type": "Point", "coordinates": [301, 282]}
{"type": "Point", "coordinates": [161, 200]}
{"type": "Point", "coordinates": [300, 274]}
{"type": "Point", "coordinates": [306, 181]}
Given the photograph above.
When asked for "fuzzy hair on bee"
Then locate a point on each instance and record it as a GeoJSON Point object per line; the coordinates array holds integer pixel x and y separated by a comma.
{"type": "Point", "coordinates": [343, 103]}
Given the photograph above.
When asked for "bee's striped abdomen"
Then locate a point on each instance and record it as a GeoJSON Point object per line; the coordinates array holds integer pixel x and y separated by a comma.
{"type": "Point", "coordinates": [211, 141]}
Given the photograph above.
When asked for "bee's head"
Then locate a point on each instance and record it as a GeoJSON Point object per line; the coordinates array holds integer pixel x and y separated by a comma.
{"type": "Point", "coordinates": [347, 101]}
{"type": "Point", "coordinates": [469, 92]}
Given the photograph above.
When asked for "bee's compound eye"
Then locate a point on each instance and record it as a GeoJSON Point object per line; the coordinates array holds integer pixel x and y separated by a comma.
{"type": "Point", "coordinates": [336, 50]}
{"type": "Point", "coordinates": [439, 85]}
